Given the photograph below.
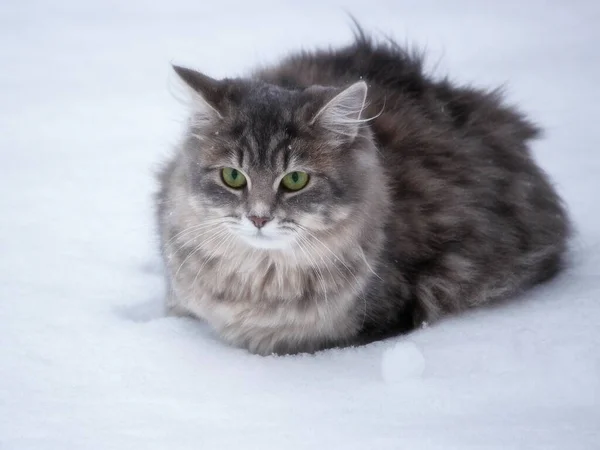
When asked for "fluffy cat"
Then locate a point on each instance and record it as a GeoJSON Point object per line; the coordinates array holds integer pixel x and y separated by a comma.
{"type": "Point", "coordinates": [343, 196]}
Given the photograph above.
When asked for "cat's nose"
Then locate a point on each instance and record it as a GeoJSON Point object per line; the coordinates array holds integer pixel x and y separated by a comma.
{"type": "Point", "coordinates": [259, 222]}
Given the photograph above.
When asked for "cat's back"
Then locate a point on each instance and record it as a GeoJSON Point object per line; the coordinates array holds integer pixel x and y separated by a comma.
{"type": "Point", "coordinates": [388, 65]}
{"type": "Point", "coordinates": [400, 89]}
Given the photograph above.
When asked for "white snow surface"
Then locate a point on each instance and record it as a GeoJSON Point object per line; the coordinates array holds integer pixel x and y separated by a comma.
{"type": "Point", "coordinates": [87, 358]}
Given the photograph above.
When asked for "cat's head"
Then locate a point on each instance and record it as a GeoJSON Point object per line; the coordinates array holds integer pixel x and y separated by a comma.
{"type": "Point", "coordinates": [275, 166]}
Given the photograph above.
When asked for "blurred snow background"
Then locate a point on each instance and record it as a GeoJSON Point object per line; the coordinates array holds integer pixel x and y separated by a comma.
{"type": "Point", "coordinates": [86, 359]}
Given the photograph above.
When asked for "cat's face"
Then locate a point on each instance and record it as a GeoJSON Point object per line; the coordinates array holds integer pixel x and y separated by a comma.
{"type": "Point", "coordinates": [273, 166]}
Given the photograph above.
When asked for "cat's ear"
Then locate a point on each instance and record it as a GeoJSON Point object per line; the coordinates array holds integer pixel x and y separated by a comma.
{"type": "Point", "coordinates": [342, 114]}
{"type": "Point", "coordinates": [210, 93]}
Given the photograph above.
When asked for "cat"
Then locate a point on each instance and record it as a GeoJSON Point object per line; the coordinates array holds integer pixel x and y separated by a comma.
{"type": "Point", "coordinates": [344, 196]}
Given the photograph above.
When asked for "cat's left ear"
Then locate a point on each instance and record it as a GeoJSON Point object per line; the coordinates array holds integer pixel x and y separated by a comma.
{"type": "Point", "coordinates": [211, 93]}
{"type": "Point", "coordinates": [342, 114]}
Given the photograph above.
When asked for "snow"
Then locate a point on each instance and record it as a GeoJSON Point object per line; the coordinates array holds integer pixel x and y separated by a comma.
{"type": "Point", "coordinates": [87, 360]}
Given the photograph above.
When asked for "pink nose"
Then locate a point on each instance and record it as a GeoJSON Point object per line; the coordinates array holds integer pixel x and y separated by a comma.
{"type": "Point", "coordinates": [259, 222]}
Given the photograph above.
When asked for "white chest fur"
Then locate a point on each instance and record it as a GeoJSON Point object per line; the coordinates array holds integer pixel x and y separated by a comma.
{"type": "Point", "coordinates": [266, 301]}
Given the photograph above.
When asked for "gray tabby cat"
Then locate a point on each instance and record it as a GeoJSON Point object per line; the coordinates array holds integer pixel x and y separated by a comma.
{"type": "Point", "coordinates": [343, 196]}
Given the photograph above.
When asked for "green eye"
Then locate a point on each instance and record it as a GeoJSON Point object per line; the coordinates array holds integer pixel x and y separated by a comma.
{"type": "Point", "coordinates": [233, 178]}
{"type": "Point", "coordinates": [294, 181]}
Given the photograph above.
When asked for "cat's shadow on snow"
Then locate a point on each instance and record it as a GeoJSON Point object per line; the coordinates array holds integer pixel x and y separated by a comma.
{"type": "Point", "coordinates": [153, 308]}
{"type": "Point", "coordinates": [142, 312]}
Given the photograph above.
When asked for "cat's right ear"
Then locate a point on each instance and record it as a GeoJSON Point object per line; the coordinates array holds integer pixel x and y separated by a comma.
{"type": "Point", "coordinates": [208, 92]}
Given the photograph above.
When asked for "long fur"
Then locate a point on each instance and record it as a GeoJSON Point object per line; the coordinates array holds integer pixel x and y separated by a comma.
{"type": "Point", "coordinates": [433, 205]}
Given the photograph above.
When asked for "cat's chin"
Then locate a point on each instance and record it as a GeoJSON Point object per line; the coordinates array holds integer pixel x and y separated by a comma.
{"type": "Point", "coordinates": [263, 242]}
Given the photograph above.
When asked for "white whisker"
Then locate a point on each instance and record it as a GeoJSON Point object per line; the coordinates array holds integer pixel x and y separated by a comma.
{"type": "Point", "coordinates": [206, 224]}
{"type": "Point", "coordinates": [224, 239]}
{"type": "Point", "coordinates": [314, 265]}
{"type": "Point", "coordinates": [355, 286]}
{"type": "Point", "coordinates": [216, 234]}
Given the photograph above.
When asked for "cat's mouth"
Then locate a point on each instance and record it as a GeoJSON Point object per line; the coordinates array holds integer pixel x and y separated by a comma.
{"type": "Point", "coordinates": [266, 240]}
{"type": "Point", "coordinates": [263, 241]}
{"type": "Point", "coordinates": [270, 237]}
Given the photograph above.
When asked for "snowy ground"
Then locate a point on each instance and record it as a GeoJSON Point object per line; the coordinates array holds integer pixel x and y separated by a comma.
{"type": "Point", "coordinates": [88, 362]}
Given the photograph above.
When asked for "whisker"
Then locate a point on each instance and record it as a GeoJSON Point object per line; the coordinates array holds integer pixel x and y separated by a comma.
{"type": "Point", "coordinates": [199, 247]}
{"type": "Point", "coordinates": [364, 258]}
{"type": "Point", "coordinates": [326, 247]}
{"type": "Point", "coordinates": [318, 269]}
{"type": "Point", "coordinates": [196, 237]}
{"type": "Point", "coordinates": [359, 292]}
{"type": "Point", "coordinates": [204, 224]}
{"type": "Point", "coordinates": [210, 256]}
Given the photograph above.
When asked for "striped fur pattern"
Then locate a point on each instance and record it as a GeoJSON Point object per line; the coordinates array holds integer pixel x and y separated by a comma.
{"type": "Point", "coordinates": [423, 200]}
